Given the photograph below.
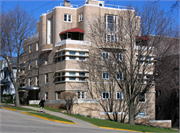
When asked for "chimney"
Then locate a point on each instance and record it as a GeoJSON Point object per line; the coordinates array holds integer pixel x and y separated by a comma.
{"type": "Point", "coordinates": [67, 3]}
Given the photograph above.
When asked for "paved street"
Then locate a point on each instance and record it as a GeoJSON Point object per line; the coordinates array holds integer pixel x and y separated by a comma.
{"type": "Point", "coordinates": [16, 122]}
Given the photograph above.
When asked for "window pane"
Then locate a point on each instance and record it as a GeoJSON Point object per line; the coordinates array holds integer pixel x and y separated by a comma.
{"type": "Point", "coordinates": [72, 73]}
{"type": "Point", "coordinates": [65, 17]}
{"type": "Point", "coordinates": [81, 73]}
{"type": "Point", "coordinates": [82, 58]}
{"type": "Point", "coordinates": [72, 78]}
{"type": "Point", "coordinates": [72, 57]}
{"type": "Point", "coordinates": [72, 52]}
{"type": "Point", "coordinates": [82, 53]}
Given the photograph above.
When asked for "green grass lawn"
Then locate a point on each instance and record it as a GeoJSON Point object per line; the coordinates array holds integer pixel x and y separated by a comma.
{"type": "Point", "coordinates": [47, 108]}
{"type": "Point", "coordinates": [113, 124]}
{"type": "Point", "coordinates": [50, 116]}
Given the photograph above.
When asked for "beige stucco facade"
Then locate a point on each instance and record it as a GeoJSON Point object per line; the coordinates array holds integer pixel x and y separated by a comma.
{"type": "Point", "coordinates": [51, 60]}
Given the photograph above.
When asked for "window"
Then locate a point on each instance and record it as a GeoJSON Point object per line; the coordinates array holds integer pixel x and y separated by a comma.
{"type": "Point", "coordinates": [30, 48]}
{"type": "Point", "coordinates": [142, 98]}
{"type": "Point", "coordinates": [37, 46]}
{"type": "Point", "coordinates": [37, 80]}
{"type": "Point", "coordinates": [105, 75]}
{"type": "Point", "coordinates": [59, 54]}
{"type": "Point", "coordinates": [46, 78]}
{"type": "Point", "coordinates": [58, 95]}
{"type": "Point", "coordinates": [111, 38]}
{"type": "Point", "coordinates": [148, 76]}
{"type": "Point", "coordinates": [63, 53]}
{"type": "Point", "coordinates": [49, 31]}
{"type": "Point", "coordinates": [37, 62]}
{"type": "Point", "coordinates": [46, 61]}
{"type": "Point", "coordinates": [105, 55]}
{"type": "Point", "coordinates": [30, 65]}
{"type": "Point", "coordinates": [80, 17]}
{"type": "Point", "coordinates": [67, 18]}
{"type": "Point", "coordinates": [63, 73]}
{"type": "Point", "coordinates": [119, 95]}
{"type": "Point", "coordinates": [148, 58]}
{"type": "Point", "coordinates": [72, 52]}
{"type": "Point", "coordinates": [105, 95]}
{"type": "Point", "coordinates": [72, 73]}
{"type": "Point", "coordinates": [72, 57]}
{"type": "Point", "coordinates": [82, 58]}
{"type": "Point", "coordinates": [63, 58]}
{"type": "Point", "coordinates": [29, 81]}
{"type": "Point", "coordinates": [82, 53]}
{"type": "Point", "coordinates": [111, 23]}
{"type": "Point", "coordinates": [46, 95]}
{"type": "Point", "coordinates": [119, 76]}
{"type": "Point", "coordinates": [81, 95]}
{"type": "Point", "coordinates": [72, 78]}
{"type": "Point", "coordinates": [119, 56]}
{"type": "Point", "coordinates": [141, 57]}
{"type": "Point", "coordinates": [141, 114]}
{"type": "Point", "coordinates": [82, 79]}
{"type": "Point", "coordinates": [82, 73]}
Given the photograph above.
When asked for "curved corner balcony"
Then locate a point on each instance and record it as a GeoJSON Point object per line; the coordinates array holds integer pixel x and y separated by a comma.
{"type": "Point", "coordinates": [69, 41]}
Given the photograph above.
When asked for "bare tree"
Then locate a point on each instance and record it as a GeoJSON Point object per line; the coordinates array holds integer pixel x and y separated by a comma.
{"type": "Point", "coordinates": [69, 98]}
{"type": "Point", "coordinates": [122, 56]}
{"type": "Point", "coordinates": [16, 26]}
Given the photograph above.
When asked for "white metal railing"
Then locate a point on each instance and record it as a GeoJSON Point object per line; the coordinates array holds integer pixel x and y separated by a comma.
{"type": "Point", "coordinates": [105, 5]}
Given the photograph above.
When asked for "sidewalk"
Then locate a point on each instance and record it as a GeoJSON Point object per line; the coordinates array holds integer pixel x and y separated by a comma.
{"type": "Point", "coordinates": [77, 121]}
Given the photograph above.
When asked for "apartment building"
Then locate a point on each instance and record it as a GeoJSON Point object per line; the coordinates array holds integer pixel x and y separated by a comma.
{"type": "Point", "coordinates": [50, 64]}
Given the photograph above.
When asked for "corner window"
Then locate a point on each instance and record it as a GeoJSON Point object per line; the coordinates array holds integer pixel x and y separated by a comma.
{"type": "Point", "coordinates": [67, 18]}
{"type": "Point", "coordinates": [80, 17]}
{"type": "Point", "coordinates": [105, 95]}
{"type": "Point", "coordinates": [105, 55]}
{"type": "Point", "coordinates": [119, 95]}
{"type": "Point", "coordinates": [105, 75]}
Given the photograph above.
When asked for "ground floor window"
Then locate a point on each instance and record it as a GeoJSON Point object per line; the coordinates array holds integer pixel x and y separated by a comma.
{"type": "Point", "coordinates": [81, 95]}
{"type": "Point", "coordinates": [58, 95]}
{"type": "Point", "coordinates": [46, 95]}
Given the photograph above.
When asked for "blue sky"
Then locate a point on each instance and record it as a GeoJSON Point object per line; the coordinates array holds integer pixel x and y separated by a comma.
{"type": "Point", "coordinates": [42, 6]}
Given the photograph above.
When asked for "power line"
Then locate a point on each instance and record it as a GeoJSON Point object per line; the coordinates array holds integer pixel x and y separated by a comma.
{"type": "Point", "coordinates": [42, 6]}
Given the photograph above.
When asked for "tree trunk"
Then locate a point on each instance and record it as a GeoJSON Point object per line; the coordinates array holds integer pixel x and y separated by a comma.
{"type": "Point", "coordinates": [17, 98]}
{"type": "Point", "coordinates": [131, 113]}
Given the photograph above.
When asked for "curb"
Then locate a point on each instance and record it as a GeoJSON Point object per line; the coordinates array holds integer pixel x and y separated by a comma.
{"type": "Point", "coordinates": [120, 129]}
{"type": "Point", "coordinates": [9, 109]}
{"type": "Point", "coordinates": [48, 118]}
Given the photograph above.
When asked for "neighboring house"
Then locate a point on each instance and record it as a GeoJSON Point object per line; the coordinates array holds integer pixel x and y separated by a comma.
{"type": "Point", "coordinates": [7, 86]}
{"type": "Point", "coordinates": [50, 65]}
{"type": "Point", "coordinates": [167, 84]}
